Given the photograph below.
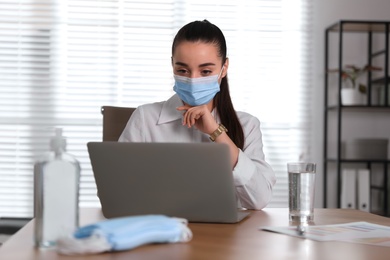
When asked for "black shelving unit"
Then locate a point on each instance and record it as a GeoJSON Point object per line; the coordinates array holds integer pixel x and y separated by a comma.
{"type": "Point", "coordinates": [342, 28]}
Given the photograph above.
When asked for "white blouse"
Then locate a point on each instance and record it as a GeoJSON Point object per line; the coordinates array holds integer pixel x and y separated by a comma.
{"type": "Point", "coordinates": [161, 122]}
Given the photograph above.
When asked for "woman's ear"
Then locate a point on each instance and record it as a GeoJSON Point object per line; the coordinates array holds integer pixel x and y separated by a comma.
{"type": "Point", "coordinates": [225, 68]}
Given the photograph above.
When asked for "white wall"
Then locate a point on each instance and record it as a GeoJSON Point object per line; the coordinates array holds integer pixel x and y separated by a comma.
{"type": "Point", "coordinates": [328, 12]}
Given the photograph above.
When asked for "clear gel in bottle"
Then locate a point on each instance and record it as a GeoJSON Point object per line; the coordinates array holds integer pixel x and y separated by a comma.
{"type": "Point", "coordinates": [56, 193]}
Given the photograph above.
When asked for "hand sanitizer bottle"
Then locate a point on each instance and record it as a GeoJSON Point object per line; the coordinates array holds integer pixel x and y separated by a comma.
{"type": "Point", "coordinates": [56, 193]}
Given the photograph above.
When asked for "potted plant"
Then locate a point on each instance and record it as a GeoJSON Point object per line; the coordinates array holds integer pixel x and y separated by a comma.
{"type": "Point", "coordinates": [353, 92]}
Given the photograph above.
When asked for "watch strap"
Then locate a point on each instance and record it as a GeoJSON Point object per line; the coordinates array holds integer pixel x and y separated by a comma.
{"type": "Point", "coordinates": [221, 128]}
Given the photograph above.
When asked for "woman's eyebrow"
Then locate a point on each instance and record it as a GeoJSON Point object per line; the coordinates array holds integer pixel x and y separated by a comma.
{"type": "Point", "coordinates": [200, 66]}
{"type": "Point", "coordinates": [207, 64]}
{"type": "Point", "coordinates": [181, 64]}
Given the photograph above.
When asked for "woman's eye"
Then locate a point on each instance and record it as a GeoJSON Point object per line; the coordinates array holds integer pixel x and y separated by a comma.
{"type": "Point", "coordinates": [181, 71]}
{"type": "Point", "coordinates": [206, 72]}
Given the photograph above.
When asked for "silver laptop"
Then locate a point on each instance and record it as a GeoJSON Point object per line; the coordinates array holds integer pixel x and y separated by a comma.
{"type": "Point", "coordinates": [187, 180]}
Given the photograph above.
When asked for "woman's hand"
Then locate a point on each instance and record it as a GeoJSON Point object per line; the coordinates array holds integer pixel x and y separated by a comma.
{"type": "Point", "coordinates": [200, 117]}
{"type": "Point", "coordinates": [203, 120]}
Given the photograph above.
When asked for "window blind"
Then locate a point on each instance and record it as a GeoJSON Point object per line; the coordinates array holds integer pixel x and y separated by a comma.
{"type": "Point", "coordinates": [60, 61]}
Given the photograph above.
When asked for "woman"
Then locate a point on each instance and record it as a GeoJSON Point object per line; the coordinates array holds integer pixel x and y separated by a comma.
{"type": "Point", "coordinates": [202, 111]}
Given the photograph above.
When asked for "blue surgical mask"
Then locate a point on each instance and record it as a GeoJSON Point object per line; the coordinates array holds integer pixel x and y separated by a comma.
{"type": "Point", "coordinates": [196, 91]}
{"type": "Point", "coordinates": [124, 233]}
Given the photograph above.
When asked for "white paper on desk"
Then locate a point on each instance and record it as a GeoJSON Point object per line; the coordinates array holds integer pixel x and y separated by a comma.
{"type": "Point", "coordinates": [354, 232]}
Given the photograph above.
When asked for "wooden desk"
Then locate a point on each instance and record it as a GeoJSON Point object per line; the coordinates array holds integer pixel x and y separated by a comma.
{"type": "Point", "coordinates": [224, 241]}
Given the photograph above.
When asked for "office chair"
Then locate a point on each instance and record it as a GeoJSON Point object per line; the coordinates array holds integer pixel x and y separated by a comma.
{"type": "Point", "coordinates": [114, 121]}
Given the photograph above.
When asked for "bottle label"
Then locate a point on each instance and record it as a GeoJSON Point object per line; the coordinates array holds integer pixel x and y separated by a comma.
{"type": "Point", "coordinates": [60, 185]}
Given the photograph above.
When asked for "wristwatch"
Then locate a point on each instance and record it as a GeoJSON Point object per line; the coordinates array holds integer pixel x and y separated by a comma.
{"type": "Point", "coordinates": [221, 128]}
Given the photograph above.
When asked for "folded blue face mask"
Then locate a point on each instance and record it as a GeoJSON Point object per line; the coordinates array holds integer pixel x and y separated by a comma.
{"type": "Point", "coordinates": [124, 234]}
{"type": "Point", "coordinates": [197, 91]}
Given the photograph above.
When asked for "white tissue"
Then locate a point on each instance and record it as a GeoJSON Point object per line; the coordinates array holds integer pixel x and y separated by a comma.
{"type": "Point", "coordinates": [96, 243]}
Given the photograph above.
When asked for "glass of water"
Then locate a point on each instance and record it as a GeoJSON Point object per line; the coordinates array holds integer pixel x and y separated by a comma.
{"type": "Point", "coordinates": [301, 183]}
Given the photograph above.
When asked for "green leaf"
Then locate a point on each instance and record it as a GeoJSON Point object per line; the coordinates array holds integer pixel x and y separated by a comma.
{"type": "Point", "coordinates": [362, 88]}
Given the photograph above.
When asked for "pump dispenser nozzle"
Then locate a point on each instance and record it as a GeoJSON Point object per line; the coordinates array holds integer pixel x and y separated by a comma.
{"type": "Point", "coordinates": [58, 142]}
